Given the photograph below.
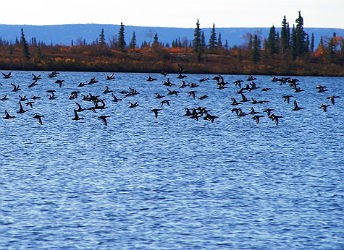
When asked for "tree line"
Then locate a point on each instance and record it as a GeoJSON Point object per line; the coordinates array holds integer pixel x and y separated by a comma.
{"type": "Point", "coordinates": [289, 52]}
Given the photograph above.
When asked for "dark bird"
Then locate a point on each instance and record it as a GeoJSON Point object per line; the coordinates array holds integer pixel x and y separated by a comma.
{"type": "Point", "coordinates": [156, 112]}
{"type": "Point", "coordinates": [39, 118]}
{"type": "Point", "coordinates": [76, 116]}
{"type": "Point", "coordinates": [21, 109]}
{"type": "Point", "coordinates": [80, 109]}
{"type": "Point", "coordinates": [324, 107]}
{"type": "Point", "coordinates": [29, 103]}
{"type": "Point", "coordinates": [180, 69]}
{"type": "Point", "coordinates": [92, 81]}
{"type": "Point", "coordinates": [115, 99]}
{"type": "Point", "coordinates": [103, 118]}
{"type": "Point", "coordinates": [184, 84]}
{"type": "Point", "coordinates": [268, 111]}
{"type": "Point", "coordinates": [107, 90]}
{"type": "Point", "coordinates": [253, 112]}
{"type": "Point", "coordinates": [235, 102]}
{"type": "Point", "coordinates": [181, 76]}
{"type": "Point", "coordinates": [110, 77]}
{"type": "Point", "coordinates": [192, 94]}
{"type": "Point", "coordinates": [36, 78]}
{"type": "Point", "coordinates": [59, 82]}
{"type": "Point", "coordinates": [33, 84]}
{"type": "Point", "coordinates": [251, 78]}
{"type": "Point", "coordinates": [193, 85]}
{"type": "Point", "coordinates": [238, 83]}
{"type": "Point", "coordinates": [172, 92]}
{"type": "Point", "coordinates": [168, 83]}
{"type": "Point", "coordinates": [7, 76]}
{"type": "Point", "coordinates": [15, 87]}
{"type": "Point", "coordinates": [151, 79]}
{"type": "Point", "coordinates": [167, 102]}
{"type": "Point", "coordinates": [332, 98]}
{"type": "Point", "coordinates": [133, 104]}
{"type": "Point", "coordinates": [203, 97]}
{"type": "Point", "coordinates": [53, 74]}
{"type": "Point", "coordinates": [321, 88]}
{"type": "Point", "coordinates": [4, 98]}
{"type": "Point", "coordinates": [296, 106]}
{"type": "Point", "coordinates": [210, 118]}
{"type": "Point", "coordinates": [159, 96]}
{"type": "Point", "coordinates": [256, 118]}
{"type": "Point", "coordinates": [287, 98]}
{"type": "Point", "coordinates": [23, 98]}
{"type": "Point", "coordinates": [187, 112]}
{"type": "Point", "coordinates": [243, 98]}
{"type": "Point", "coordinates": [204, 79]}
{"type": "Point", "coordinates": [35, 97]}
{"type": "Point", "coordinates": [73, 95]}
{"type": "Point", "coordinates": [275, 118]}
{"type": "Point", "coordinates": [8, 116]}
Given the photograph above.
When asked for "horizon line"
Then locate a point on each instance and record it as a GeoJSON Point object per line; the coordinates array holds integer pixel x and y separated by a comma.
{"type": "Point", "coordinates": [172, 27]}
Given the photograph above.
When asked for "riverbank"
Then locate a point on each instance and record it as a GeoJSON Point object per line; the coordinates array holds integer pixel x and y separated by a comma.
{"type": "Point", "coordinates": [167, 60]}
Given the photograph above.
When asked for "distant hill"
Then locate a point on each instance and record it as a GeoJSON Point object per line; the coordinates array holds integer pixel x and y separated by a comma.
{"type": "Point", "coordinates": [65, 34]}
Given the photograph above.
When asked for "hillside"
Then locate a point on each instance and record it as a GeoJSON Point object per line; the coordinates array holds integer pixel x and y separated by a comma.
{"type": "Point", "coordinates": [65, 34]}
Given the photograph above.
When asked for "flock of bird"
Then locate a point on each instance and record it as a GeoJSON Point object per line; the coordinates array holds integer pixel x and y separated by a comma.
{"type": "Point", "coordinates": [243, 104]}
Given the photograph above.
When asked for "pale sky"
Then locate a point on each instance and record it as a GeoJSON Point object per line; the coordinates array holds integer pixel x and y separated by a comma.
{"type": "Point", "coordinates": [174, 13]}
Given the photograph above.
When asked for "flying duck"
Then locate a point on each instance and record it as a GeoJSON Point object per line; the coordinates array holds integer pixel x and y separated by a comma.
{"type": "Point", "coordinates": [39, 118]}
{"type": "Point", "coordinates": [8, 116]}
{"type": "Point", "coordinates": [156, 111]}
{"type": "Point", "coordinates": [103, 118]}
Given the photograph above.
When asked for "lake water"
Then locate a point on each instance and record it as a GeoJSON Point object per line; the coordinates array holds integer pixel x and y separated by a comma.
{"type": "Point", "coordinates": [171, 182]}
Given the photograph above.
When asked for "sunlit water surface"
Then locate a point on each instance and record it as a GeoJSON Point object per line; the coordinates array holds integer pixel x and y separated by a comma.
{"type": "Point", "coordinates": [171, 182]}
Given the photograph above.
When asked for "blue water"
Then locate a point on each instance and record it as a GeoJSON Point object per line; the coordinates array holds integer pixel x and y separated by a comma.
{"type": "Point", "coordinates": [171, 182]}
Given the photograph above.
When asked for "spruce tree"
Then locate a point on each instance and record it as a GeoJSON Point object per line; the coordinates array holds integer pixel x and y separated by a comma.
{"type": "Point", "coordinates": [256, 49]}
{"type": "Point", "coordinates": [312, 43]}
{"type": "Point", "coordinates": [121, 40]}
{"type": "Point", "coordinates": [219, 41]}
{"type": "Point", "coordinates": [102, 42]}
{"type": "Point", "coordinates": [24, 45]}
{"type": "Point", "coordinates": [132, 44]}
{"type": "Point", "coordinates": [203, 44]}
{"type": "Point", "coordinates": [285, 35]}
{"type": "Point", "coordinates": [272, 42]}
{"type": "Point", "coordinates": [294, 42]}
{"type": "Point", "coordinates": [155, 41]}
{"type": "Point", "coordinates": [196, 42]}
{"type": "Point", "coordinates": [213, 39]}
{"type": "Point", "coordinates": [226, 45]}
{"type": "Point", "coordinates": [300, 37]}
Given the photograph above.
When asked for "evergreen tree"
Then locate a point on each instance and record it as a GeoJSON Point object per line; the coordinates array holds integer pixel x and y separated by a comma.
{"type": "Point", "coordinates": [25, 46]}
{"type": "Point", "coordinates": [293, 42]}
{"type": "Point", "coordinates": [250, 42]}
{"type": "Point", "coordinates": [300, 37]}
{"type": "Point", "coordinates": [307, 44]}
{"type": "Point", "coordinates": [312, 43]}
{"type": "Point", "coordinates": [213, 39]}
{"type": "Point", "coordinates": [155, 41]}
{"type": "Point", "coordinates": [272, 42]}
{"type": "Point", "coordinates": [285, 35]}
{"type": "Point", "coordinates": [102, 42]}
{"type": "Point", "coordinates": [226, 45]}
{"type": "Point", "coordinates": [196, 43]}
{"type": "Point", "coordinates": [132, 44]}
{"type": "Point", "coordinates": [121, 39]}
{"type": "Point", "coordinates": [331, 45]}
{"type": "Point", "coordinates": [256, 49]}
{"type": "Point", "coordinates": [203, 44]}
{"type": "Point", "coordinates": [219, 41]}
